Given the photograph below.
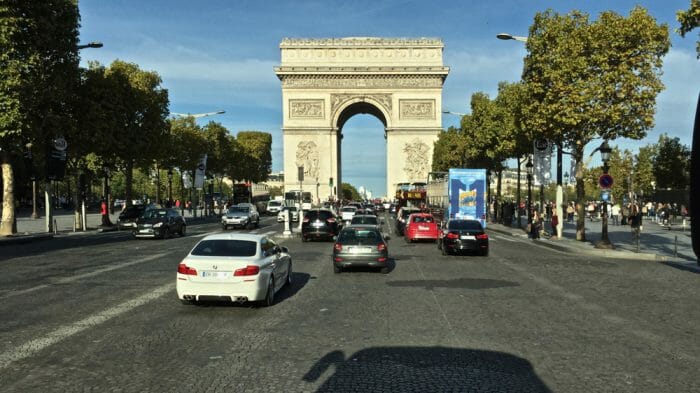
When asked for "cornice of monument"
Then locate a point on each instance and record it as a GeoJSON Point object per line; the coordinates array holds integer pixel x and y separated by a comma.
{"type": "Point", "coordinates": [370, 42]}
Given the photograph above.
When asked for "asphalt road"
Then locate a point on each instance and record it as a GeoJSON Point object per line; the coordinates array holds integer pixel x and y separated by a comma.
{"type": "Point", "coordinates": [99, 313]}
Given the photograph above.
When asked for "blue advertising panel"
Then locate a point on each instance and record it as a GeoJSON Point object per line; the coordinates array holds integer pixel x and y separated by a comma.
{"type": "Point", "coordinates": [467, 192]}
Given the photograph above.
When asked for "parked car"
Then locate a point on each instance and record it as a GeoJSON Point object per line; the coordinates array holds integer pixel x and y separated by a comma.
{"type": "Point", "coordinates": [319, 223]}
{"type": "Point", "coordinates": [274, 207]}
{"type": "Point", "coordinates": [463, 235]}
{"type": "Point", "coordinates": [293, 214]}
{"type": "Point", "coordinates": [402, 216]}
{"type": "Point", "coordinates": [346, 212]}
{"type": "Point", "coordinates": [421, 226]}
{"type": "Point", "coordinates": [360, 245]}
{"type": "Point", "coordinates": [240, 216]}
{"type": "Point", "coordinates": [160, 223]}
{"type": "Point", "coordinates": [234, 267]}
{"type": "Point", "coordinates": [366, 219]}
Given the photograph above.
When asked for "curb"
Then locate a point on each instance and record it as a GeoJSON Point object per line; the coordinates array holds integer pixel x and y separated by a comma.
{"type": "Point", "coordinates": [620, 254]}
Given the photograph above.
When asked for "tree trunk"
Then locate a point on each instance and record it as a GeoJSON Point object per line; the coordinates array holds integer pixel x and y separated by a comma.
{"type": "Point", "coordinates": [580, 195]}
{"type": "Point", "coordinates": [7, 227]}
{"type": "Point", "coordinates": [129, 179]}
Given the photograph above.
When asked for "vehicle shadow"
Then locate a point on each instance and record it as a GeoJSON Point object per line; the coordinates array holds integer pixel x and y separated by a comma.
{"type": "Point", "coordinates": [420, 369]}
{"type": "Point", "coordinates": [390, 263]}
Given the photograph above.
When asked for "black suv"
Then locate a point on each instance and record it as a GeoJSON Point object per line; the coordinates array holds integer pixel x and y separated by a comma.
{"type": "Point", "coordinates": [319, 223]}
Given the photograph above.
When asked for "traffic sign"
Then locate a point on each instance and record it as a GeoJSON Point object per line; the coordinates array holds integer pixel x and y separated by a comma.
{"type": "Point", "coordinates": [605, 181]}
{"type": "Point", "coordinates": [541, 144]}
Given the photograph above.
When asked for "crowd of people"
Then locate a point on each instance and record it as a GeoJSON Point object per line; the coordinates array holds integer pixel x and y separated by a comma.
{"type": "Point", "coordinates": [545, 219]}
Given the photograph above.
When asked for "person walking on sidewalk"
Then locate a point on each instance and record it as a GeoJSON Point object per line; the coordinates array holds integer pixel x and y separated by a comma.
{"type": "Point", "coordinates": [554, 222]}
{"type": "Point", "coordinates": [615, 213]}
{"type": "Point", "coordinates": [536, 225]}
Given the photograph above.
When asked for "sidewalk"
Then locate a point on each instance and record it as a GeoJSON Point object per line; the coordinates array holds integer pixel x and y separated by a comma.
{"type": "Point", "coordinates": [31, 229]}
{"type": "Point", "coordinates": [656, 242]}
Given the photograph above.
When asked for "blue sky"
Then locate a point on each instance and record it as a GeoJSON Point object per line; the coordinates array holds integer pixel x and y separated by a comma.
{"type": "Point", "coordinates": [220, 55]}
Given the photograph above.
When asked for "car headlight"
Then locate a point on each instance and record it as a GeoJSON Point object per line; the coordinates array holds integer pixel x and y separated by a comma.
{"type": "Point", "coordinates": [158, 225]}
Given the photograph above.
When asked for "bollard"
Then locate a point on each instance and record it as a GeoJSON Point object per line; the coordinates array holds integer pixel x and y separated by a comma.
{"type": "Point", "coordinates": [675, 247]}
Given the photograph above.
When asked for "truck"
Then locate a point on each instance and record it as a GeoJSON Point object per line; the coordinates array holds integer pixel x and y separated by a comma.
{"type": "Point", "coordinates": [459, 193]}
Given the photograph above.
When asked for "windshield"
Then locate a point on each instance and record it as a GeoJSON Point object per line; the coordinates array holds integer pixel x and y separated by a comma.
{"type": "Point", "coordinates": [226, 248]}
{"type": "Point", "coordinates": [238, 209]}
{"type": "Point", "coordinates": [359, 235]}
{"type": "Point", "coordinates": [464, 224]}
{"type": "Point", "coordinates": [364, 220]}
{"type": "Point", "coordinates": [349, 209]}
{"type": "Point", "coordinates": [154, 213]}
{"type": "Point", "coordinates": [274, 203]}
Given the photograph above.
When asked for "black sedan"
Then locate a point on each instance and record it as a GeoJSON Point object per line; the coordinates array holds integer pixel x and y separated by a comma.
{"type": "Point", "coordinates": [128, 216]}
{"type": "Point", "coordinates": [319, 224]}
{"type": "Point", "coordinates": [463, 235]}
{"type": "Point", "coordinates": [160, 223]}
{"type": "Point", "coordinates": [360, 245]}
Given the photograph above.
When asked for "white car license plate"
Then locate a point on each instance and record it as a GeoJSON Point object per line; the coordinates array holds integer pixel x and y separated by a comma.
{"type": "Point", "coordinates": [423, 228]}
{"type": "Point", "coordinates": [359, 250]}
{"type": "Point", "coordinates": [467, 237]}
{"type": "Point", "coordinates": [217, 275]}
{"type": "Point", "coordinates": [317, 224]}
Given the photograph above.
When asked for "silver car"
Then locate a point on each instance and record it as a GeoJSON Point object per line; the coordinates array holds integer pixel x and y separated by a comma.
{"type": "Point", "coordinates": [240, 217]}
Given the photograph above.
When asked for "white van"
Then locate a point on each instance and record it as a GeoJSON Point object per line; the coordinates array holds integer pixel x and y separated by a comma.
{"type": "Point", "coordinates": [274, 206]}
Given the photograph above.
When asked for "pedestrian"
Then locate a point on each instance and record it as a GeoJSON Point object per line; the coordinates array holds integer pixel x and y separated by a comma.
{"type": "Point", "coordinates": [104, 211]}
{"type": "Point", "coordinates": [615, 213]}
{"type": "Point", "coordinates": [554, 222]}
{"type": "Point", "coordinates": [535, 225]}
{"type": "Point", "coordinates": [570, 212]}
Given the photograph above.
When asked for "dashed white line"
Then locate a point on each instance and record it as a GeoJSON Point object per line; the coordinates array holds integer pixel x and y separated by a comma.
{"type": "Point", "coordinates": [32, 347]}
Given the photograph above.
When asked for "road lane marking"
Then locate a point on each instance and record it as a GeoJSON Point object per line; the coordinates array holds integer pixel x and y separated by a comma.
{"type": "Point", "coordinates": [33, 347]}
{"type": "Point", "coordinates": [67, 280]}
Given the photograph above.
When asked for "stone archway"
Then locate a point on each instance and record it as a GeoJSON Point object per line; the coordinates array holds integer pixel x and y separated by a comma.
{"type": "Point", "coordinates": [327, 81]}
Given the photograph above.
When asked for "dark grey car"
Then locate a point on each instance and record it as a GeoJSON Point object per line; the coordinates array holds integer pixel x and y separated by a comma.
{"type": "Point", "coordinates": [360, 245]}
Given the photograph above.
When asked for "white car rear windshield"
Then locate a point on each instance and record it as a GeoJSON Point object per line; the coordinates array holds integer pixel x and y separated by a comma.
{"type": "Point", "coordinates": [226, 248]}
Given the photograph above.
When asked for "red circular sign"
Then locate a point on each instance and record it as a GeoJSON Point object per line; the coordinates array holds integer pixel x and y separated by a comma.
{"type": "Point", "coordinates": [605, 181]}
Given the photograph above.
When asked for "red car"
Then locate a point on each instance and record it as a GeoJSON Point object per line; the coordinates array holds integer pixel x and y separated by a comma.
{"type": "Point", "coordinates": [421, 226]}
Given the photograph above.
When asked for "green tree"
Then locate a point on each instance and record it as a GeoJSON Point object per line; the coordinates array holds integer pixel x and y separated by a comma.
{"type": "Point", "coordinates": [140, 107]}
{"type": "Point", "coordinates": [672, 164]}
{"type": "Point", "coordinates": [449, 150]}
{"type": "Point", "coordinates": [588, 80]}
{"type": "Point", "coordinates": [255, 157]}
{"type": "Point", "coordinates": [221, 151]}
{"type": "Point", "coordinates": [188, 144]}
{"type": "Point", "coordinates": [644, 170]}
{"type": "Point", "coordinates": [621, 165]}
{"type": "Point", "coordinates": [38, 81]}
{"type": "Point", "coordinates": [349, 192]}
{"type": "Point", "coordinates": [689, 20]}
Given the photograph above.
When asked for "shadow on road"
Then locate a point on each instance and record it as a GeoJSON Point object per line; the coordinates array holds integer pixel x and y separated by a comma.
{"type": "Point", "coordinates": [460, 283]}
{"type": "Point", "coordinates": [421, 369]}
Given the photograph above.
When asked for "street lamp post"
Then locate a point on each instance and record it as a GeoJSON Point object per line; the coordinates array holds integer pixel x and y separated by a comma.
{"type": "Point", "coordinates": [170, 187]}
{"type": "Point", "coordinates": [605, 156]}
{"type": "Point", "coordinates": [529, 168]}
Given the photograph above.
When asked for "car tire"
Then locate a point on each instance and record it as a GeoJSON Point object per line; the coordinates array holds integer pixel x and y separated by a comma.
{"type": "Point", "coordinates": [384, 270]}
{"type": "Point", "coordinates": [337, 270]}
{"type": "Point", "coordinates": [165, 233]}
{"type": "Point", "coordinates": [444, 250]}
{"type": "Point", "coordinates": [484, 253]}
{"type": "Point", "coordinates": [439, 245]}
{"type": "Point", "coordinates": [269, 295]}
{"type": "Point", "coordinates": [224, 227]}
{"type": "Point", "coordinates": [257, 223]}
{"type": "Point", "coordinates": [183, 230]}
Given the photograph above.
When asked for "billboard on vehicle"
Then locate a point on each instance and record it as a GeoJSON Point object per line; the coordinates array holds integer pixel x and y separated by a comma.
{"type": "Point", "coordinates": [467, 194]}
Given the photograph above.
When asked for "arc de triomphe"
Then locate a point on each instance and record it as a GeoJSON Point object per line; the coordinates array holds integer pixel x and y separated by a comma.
{"type": "Point", "coordinates": [327, 81]}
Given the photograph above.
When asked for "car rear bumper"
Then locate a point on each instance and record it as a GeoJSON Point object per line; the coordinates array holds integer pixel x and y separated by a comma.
{"type": "Point", "coordinates": [239, 291]}
{"type": "Point", "coordinates": [466, 245]}
{"type": "Point", "coordinates": [343, 260]}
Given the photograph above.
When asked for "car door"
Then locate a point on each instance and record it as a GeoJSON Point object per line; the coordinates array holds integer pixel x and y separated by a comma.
{"type": "Point", "coordinates": [271, 260]}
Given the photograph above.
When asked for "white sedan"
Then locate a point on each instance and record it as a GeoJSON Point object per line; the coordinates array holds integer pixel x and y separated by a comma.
{"type": "Point", "coordinates": [293, 214]}
{"type": "Point", "coordinates": [237, 267]}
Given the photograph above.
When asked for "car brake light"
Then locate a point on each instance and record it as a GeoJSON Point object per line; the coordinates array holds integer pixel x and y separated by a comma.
{"type": "Point", "coordinates": [452, 235]}
{"type": "Point", "coordinates": [482, 236]}
{"type": "Point", "coordinates": [331, 220]}
{"type": "Point", "coordinates": [306, 219]}
{"type": "Point", "coordinates": [184, 269]}
{"type": "Point", "coordinates": [338, 247]}
{"type": "Point", "coordinates": [249, 270]}
{"type": "Point", "coordinates": [381, 247]}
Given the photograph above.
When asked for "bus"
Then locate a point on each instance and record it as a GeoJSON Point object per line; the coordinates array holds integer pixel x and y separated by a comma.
{"type": "Point", "coordinates": [292, 198]}
{"type": "Point", "coordinates": [257, 194]}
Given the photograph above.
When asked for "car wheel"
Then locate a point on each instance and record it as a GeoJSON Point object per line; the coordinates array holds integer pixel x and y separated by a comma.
{"type": "Point", "coordinates": [288, 281]}
{"type": "Point", "coordinates": [384, 270]}
{"type": "Point", "coordinates": [484, 253]}
{"type": "Point", "coordinates": [444, 250]}
{"type": "Point", "coordinates": [183, 230]}
{"type": "Point", "coordinates": [257, 223]}
{"type": "Point", "coordinates": [439, 245]}
{"type": "Point", "coordinates": [336, 269]}
{"type": "Point", "coordinates": [165, 233]}
{"type": "Point", "coordinates": [270, 295]}
{"type": "Point", "coordinates": [224, 227]}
